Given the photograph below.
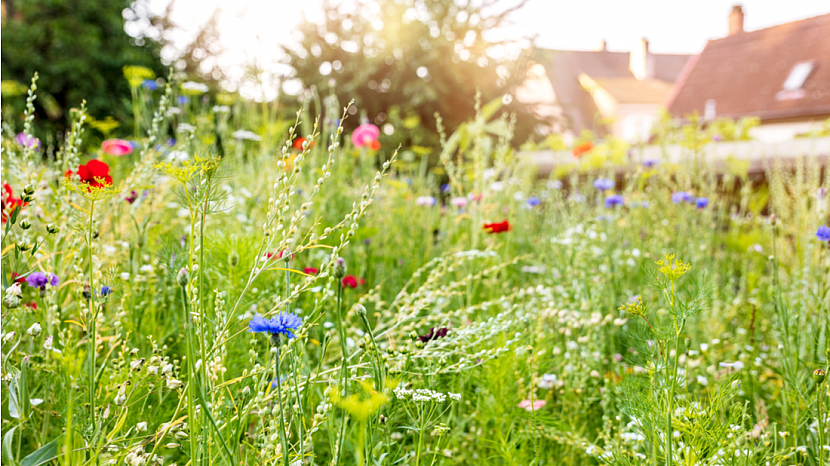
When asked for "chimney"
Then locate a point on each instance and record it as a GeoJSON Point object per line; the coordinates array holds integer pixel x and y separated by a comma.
{"type": "Point", "coordinates": [736, 20]}
{"type": "Point", "coordinates": [640, 61]}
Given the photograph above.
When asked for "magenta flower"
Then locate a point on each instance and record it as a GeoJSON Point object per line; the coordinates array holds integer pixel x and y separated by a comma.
{"type": "Point", "coordinates": [27, 141]}
{"type": "Point", "coordinates": [116, 147]}
{"type": "Point", "coordinates": [365, 135]}
{"type": "Point", "coordinates": [535, 406]}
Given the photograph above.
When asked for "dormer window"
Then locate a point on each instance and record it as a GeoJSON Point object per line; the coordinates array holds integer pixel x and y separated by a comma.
{"type": "Point", "coordinates": [792, 88]}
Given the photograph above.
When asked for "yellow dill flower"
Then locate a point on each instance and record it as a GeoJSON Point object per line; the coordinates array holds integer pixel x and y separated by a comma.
{"type": "Point", "coordinates": [137, 74]}
{"type": "Point", "coordinates": [635, 306]}
{"type": "Point", "coordinates": [97, 191]}
{"type": "Point", "coordinates": [361, 407]}
{"type": "Point", "coordinates": [188, 168]}
{"type": "Point", "coordinates": [673, 270]}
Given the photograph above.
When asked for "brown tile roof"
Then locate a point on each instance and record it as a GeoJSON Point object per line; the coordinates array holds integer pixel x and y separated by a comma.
{"type": "Point", "coordinates": [634, 91]}
{"type": "Point", "coordinates": [744, 73]}
{"type": "Point", "coordinates": [564, 67]}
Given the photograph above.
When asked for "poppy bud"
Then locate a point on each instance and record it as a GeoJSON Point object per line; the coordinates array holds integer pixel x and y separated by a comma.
{"type": "Point", "coordinates": [234, 259]}
{"type": "Point", "coordinates": [183, 277]}
{"type": "Point", "coordinates": [339, 268]}
{"type": "Point", "coordinates": [819, 376]}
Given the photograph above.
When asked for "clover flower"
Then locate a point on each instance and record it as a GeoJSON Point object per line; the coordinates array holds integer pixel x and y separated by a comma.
{"type": "Point", "coordinates": [284, 323]}
{"type": "Point", "coordinates": [604, 184]}
{"type": "Point", "coordinates": [613, 201]}
{"type": "Point", "coordinates": [682, 196]}
{"type": "Point", "coordinates": [823, 233]}
{"type": "Point", "coordinates": [40, 280]}
{"type": "Point", "coordinates": [701, 202]}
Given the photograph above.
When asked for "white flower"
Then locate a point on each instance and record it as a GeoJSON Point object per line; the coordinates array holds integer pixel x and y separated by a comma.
{"type": "Point", "coordinates": [702, 380]}
{"type": "Point", "coordinates": [174, 384]}
{"type": "Point", "coordinates": [109, 249]}
{"type": "Point", "coordinates": [167, 369]}
{"type": "Point", "coordinates": [737, 365]}
{"type": "Point", "coordinates": [35, 329]}
{"type": "Point", "coordinates": [141, 427]}
{"type": "Point", "coordinates": [195, 87]}
{"type": "Point", "coordinates": [185, 127]}
{"type": "Point", "coordinates": [548, 381]}
{"type": "Point", "coordinates": [8, 337]}
{"type": "Point", "coordinates": [125, 276]}
{"type": "Point", "coordinates": [246, 135]}
{"type": "Point", "coordinates": [173, 111]}
{"type": "Point", "coordinates": [146, 268]}
{"type": "Point", "coordinates": [177, 156]}
{"type": "Point", "coordinates": [221, 109]}
{"type": "Point", "coordinates": [704, 347]}
{"type": "Point", "coordinates": [497, 186]}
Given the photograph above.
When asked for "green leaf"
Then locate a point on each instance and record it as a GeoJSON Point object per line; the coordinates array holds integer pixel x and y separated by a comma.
{"type": "Point", "coordinates": [7, 444]}
{"type": "Point", "coordinates": [43, 454]}
{"type": "Point", "coordinates": [491, 108]}
{"type": "Point", "coordinates": [14, 406]}
{"type": "Point", "coordinates": [23, 394]}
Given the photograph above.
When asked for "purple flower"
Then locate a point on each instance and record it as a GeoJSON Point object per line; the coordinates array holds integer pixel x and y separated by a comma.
{"type": "Point", "coordinates": [823, 233]}
{"type": "Point", "coordinates": [604, 184]}
{"type": "Point", "coordinates": [682, 196]}
{"type": "Point", "coordinates": [613, 201]}
{"type": "Point", "coordinates": [650, 163]}
{"type": "Point", "coordinates": [27, 141]}
{"type": "Point", "coordinates": [701, 202]}
{"type": "Point", "coordinates": [40, 280]}
{"type": "Point", "coordinates": [149, 84]}
{"type": "Point", "coordinates": [434, 334]}
{"type": "Point", "coordinates": [183, 99]}
{"type": "Point", "coordinates": [445, 188]}
{"type": "Point", "coordinates": [284, 323]}
{"type": "Point", "coordinates": [533, 201]}
{"type": "Point", "coordinates": [105, 290]}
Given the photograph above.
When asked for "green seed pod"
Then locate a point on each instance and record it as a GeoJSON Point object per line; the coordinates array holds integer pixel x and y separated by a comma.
{"type": "Point", "coordinates": [183, 277]}
{"type": "Point", "coordinates": [819, 375]}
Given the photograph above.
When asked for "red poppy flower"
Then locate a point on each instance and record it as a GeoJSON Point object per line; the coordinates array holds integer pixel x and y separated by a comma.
{"type": "Point", "coordinates": [92, 172]}
{"type": "Point", "coordinates": [582, 148]}
{"type": "Point", "coordinates": [352, 282]}
{"type": "Point", "coordinates": [17, 278]}
{"type": "Point", "coordinates": [298, 143]}
{"type": "Point", "coordinates": [498, 227]}
{"type": "Point", "coordinates": [374, 145]}
{"type": "Point", "coordinates": [32, 305]}
{"type": "Point", "coordinates": [9, 202]}
{"type": "Point", "coordinates": [311, 271]}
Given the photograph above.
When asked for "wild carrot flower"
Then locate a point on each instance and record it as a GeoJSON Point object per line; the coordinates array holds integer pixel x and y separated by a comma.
{"type": "Point", "coordinates": [613, 201]}
{"type": "Point", "coordinates": [682, 196]}
{"type": "Point", "coordinates": [823, 233]}
{"type": "Point", "coordinates": [284, 323]}
{"type": "Point", "coordinates": [365, 135]}
{"type": "Point", "coordinates": [534, 406]}
{"type": "Point", "coordinates": [604, 184]}
{"type": "Point", "coordinates": [497, 227]}
{"type": "Point", "coordinates": [116, 147]}
{"type": "Point", "coordinates": [701, 202]}
{"type": "Point", "coordinates": [94, 173]}
{"type": "Point", "coordinates": [40, 280]}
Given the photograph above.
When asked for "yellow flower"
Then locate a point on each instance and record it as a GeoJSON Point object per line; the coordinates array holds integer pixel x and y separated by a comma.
{"type": "Point", "coordinates": [673, 270]}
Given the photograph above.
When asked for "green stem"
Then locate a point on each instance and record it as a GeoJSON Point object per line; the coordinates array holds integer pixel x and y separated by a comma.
{"type": "Point", "coordinates": [92, 319]}
{"type": "Point", "coordinates": [283, 441]}
{"type": "Point", "coordinates": [670, 402]}
{"type": "Point", "coordinates": [343, 368]}
{"type": "Point", "coordinates": [820, 395]}
{"type": "Point", "coordinates": [191, 382]}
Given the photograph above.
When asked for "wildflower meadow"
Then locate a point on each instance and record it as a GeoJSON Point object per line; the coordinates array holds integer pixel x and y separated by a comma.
{"type": "Point", "coordinates": [217, 286]}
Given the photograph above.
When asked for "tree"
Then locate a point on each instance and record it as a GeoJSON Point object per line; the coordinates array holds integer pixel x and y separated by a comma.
{"type": "Point", "coordinates": [408, 59]}
{"type": "Point", "coordinates": [79, 48]}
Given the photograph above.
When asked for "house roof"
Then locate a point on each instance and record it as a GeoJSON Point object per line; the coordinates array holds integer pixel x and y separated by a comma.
{"type": "Point", "coordinates": [634, 91]}
{"type": "Point", "coordinates": [564, 67]}
{"type": "Point", "coordinates": [744, 73]}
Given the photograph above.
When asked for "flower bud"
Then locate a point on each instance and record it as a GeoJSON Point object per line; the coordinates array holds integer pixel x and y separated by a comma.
{"type": "Point", "coordinates": [818, 376]}
{"type": "Point", "coordinates": [28, 190]}
{"type": "Point", "coordinates": [25, 224]}
{"type": "Point", "coordinates": [52, 229]}
{"type": "Point", "coordinates": [183, 277]}
{"type": "Point", "coordinates": [13, 295]}
{"type": "Point", "coordinates": [233, 259]}
{"type": "Point", "coordinates": [360, 310]}
{"type": "Point", "coordinates": [339, 270]}
{"type": "Point", "coordinates": [34, 330]}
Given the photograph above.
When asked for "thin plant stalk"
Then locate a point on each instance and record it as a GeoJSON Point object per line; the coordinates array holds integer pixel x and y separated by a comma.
{"type": "Point", "coordinates": [283, 441]}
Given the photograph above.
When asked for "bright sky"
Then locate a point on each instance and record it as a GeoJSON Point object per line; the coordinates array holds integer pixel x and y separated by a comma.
{"type": "Point", "coordinates": [252, 30]}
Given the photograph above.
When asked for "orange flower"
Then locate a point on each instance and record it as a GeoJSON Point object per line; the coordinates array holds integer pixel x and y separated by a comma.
{"type": "Point", "coordinates": [498, 227]}
{"type": "Point", "coordinates": [582, 149]}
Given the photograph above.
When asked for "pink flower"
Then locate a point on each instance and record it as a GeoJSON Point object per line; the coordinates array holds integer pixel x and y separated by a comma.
{"type": "Point", "coordinates": [528, 406]}
{"type": "Point", "coordinates": [365, 135]}
{"type": "Point", "coordinates": [459, 201]}
{"type": "Point", "coordinates": [116, 147]}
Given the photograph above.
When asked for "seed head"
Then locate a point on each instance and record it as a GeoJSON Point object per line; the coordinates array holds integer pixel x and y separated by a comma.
{"type": "Point", "coordinates": [819, 375]}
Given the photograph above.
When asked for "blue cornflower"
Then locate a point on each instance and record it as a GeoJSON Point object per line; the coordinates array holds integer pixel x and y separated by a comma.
{"type": "Point", "coordinates": [149, 84]}
{"type": "Point", "coordinates": [533, 201]}
{"type": "Point", "coordinates": [40, 280]}
{"type": "Point", "coordinates": [650, 163]}
{"type": "Point", "coordinates": [823, 233]}
{"type": "Point", "coordinates": [613, 201]}
{"type": "Point", "coordinates": [105, 290]}
{"type": "Point", "coordinates": [445, 188]}
{"type": "Point", "coordinates": [284, 323]}
{"type": "Point", "coordinates": [682, 196]}
{"type": "Point", "coordinates": [274, 381]}
{"type": "Point", "coordinates": [701, 202]}
{"type": "Point", "coordinates": [604, 184]}
{"type": "Point", "coordinates": [183, 99]}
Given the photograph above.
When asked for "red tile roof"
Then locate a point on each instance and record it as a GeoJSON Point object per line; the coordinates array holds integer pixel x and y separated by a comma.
{"type": "Point", "coordinates": [744, 73]}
